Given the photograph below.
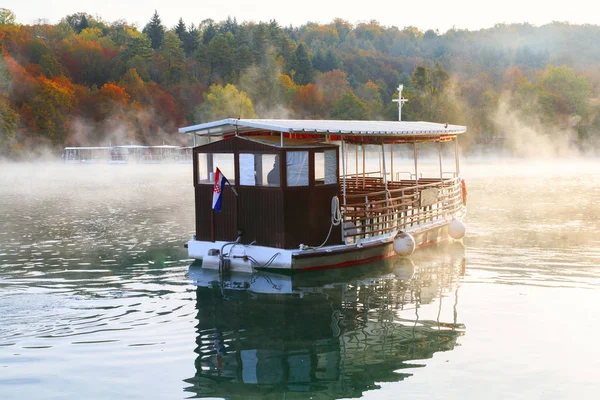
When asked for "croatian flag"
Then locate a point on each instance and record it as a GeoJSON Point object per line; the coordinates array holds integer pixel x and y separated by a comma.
{"type": "Point", "coordinates": [220, 181]}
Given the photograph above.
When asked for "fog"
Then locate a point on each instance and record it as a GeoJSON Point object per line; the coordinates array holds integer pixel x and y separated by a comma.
{"type": "Point", "coordinates": [537, 215]}
{"type": "Point", "coordinates": [78, 192]}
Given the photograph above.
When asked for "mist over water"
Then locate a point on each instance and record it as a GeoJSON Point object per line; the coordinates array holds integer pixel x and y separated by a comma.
{"type": "Point", "coordinates": [98, 299]}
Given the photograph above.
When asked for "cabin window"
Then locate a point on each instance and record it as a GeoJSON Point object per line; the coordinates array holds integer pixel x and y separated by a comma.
{"type": "Point", "coordinates": [297, 168]}
{"type": "Point", "coordinates": [325, 167]}
{"type": "Point", "coordinates": [208, 164]}
{"type": "Point", "coordinates": [225, 163]}
{"type": "Point", "coordinates": [247, 170]}
{"type": "Point", "coordinates": [259, 170]}
{"type": "Point", "coordinates": [204, 167]}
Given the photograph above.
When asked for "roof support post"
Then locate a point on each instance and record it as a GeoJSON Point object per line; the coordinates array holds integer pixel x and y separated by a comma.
{"type": "Point", "coordinates": [344, 160]}
{"type": "Point", "coordinates": [356, 169]}
{"type": "Point", "coordinates": [391, 162]}
{"type": "Point", "coordinates": [364, 167]}
{"type": "Point", "coordinates": [385, 180]}
{"type": "Point", "coordinates": [416, 156]}
{"type": "Point", "coordinates": [385, 183]}
{"type": "Point", "coordinates": [440, 155]}
{"type": "Point", "coordinates": [456, 155]}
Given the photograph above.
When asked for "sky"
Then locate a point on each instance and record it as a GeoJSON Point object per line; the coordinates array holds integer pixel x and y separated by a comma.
{"type": "Point", "coordinates": [430, 14]}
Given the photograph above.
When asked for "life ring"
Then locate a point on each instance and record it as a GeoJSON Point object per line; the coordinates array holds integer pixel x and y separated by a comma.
{"type": "Point", "coordinates": [463, 187]}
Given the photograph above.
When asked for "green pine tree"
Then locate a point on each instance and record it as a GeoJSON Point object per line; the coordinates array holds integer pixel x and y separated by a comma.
{"type": "Point", "coordinates": [304, 68]}
{"type": "Point", "coordinates": [155, 31]}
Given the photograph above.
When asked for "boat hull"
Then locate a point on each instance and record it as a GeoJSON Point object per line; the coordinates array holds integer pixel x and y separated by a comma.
{"type": "Point", "coordinates": [241, 257]}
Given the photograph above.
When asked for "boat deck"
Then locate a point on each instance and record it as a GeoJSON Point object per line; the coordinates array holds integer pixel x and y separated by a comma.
{"type": "Point", "coordinates": [374, 208]}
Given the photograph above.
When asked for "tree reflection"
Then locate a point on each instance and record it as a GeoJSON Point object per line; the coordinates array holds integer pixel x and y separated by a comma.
{"type": "Point", "coordinates": [327, 334]}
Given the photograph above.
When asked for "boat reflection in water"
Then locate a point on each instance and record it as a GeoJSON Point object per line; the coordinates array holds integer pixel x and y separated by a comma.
{"type": "Point", "coordinates": [327, 334]}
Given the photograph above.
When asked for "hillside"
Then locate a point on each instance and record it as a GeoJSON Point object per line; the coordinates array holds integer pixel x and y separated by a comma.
{"type": "Point", "coordinates": [85, 81]}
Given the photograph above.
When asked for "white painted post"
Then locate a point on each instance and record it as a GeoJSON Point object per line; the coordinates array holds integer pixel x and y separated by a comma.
{"type": "Point", "coordinates": [400, 101]}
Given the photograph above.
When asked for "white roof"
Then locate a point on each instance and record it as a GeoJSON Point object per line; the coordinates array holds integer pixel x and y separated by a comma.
{"type": "Point", "coordinates": [324, 127]}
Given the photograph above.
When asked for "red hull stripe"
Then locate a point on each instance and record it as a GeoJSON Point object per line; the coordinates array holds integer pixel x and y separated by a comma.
{"type": "Point", "coordinates": [364, 260]}
{"type": "Point", "coordinates": [345, 263]}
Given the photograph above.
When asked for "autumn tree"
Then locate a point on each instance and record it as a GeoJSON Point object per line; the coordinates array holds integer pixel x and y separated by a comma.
{"type": "Point", "coordinates": [87, 61]}
{"type": "Point", "coordinates": [119, 31]}
{"type": "Point", "coordinates": [7, 17]}
{"type": "Point", "coordinates": [115, 94]}
{"type": "Point", "coordinates": [334, 85]}
{"type": "Point", "coordinates": [349, 107]}
{"type": "Point", "coordinates": [559, 98]}
{"type": "Point", "coordinates": [370, 94]}
{"type": "Point", "coordinates": [225, 102]}
{"type": "Point", "coordinates": [513, 79]}
{"type": "Point", "coordinates": [288, 87]}
{"type": "Point", "coordinates": [564, 93]}
{"type": "Point", "coordinates": [52, 107]}
{"type": "Point", "coordinates": [315, 33]}
{"type": "Point", "coordinates": [134, 85]}
{"type": "Point", "coordinates": [308, 101]}
{"type": "Point", "coordinates": [9, 119]}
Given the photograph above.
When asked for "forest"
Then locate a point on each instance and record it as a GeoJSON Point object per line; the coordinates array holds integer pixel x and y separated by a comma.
{"type": "Point", "coordinates": [520, 88]}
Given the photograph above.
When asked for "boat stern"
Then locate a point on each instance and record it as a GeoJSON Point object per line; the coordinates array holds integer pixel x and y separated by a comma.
{"type": "Point", "coordinates": [237, 256]}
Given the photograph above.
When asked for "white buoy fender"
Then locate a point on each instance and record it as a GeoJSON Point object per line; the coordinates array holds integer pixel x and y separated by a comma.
{"type": "Point", "coordinates": [404, 268]}
{"type": "Point", "coordinates": [404, 244]}
{"type": "Point", "coordinates": [457, 229]}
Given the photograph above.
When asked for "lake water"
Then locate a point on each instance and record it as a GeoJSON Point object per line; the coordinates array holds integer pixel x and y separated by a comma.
{"type": "Point", "coordinates": [98, 299]}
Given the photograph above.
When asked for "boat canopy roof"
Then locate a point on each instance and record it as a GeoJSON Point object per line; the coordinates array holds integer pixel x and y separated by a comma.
{"type": "Point", "coordinates": [275, 141]}
{"type": "Point", "coordinates": [375, 129]}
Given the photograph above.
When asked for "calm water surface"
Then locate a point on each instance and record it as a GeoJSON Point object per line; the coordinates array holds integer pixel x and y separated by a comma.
{"type": "Point", "coordinates": [98, 299]}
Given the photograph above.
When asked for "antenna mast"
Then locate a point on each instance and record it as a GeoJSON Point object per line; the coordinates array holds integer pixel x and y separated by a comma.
{"type": "Point", "coordinates": [400, 101]}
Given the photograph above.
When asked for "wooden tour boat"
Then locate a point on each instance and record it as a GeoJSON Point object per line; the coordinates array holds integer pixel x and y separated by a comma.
{"type": "Point", "coordinates": [315, 194]}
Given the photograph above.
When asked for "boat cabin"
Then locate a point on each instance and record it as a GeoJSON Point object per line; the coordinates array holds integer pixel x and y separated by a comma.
{"type": "Point", "coordinates": [283, 190]}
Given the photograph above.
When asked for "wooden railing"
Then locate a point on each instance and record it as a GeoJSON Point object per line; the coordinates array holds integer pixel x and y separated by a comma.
{"type": "Point", "coordinates": [375, 211]}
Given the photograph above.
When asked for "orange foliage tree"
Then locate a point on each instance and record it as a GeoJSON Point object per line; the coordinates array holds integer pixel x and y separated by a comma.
{"type": "Point", "coordinates": [52, 107]}
{"type": "Point", "coordinates": [309, 100]}
{"type": "Point", "coordinates": [334, 85]}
